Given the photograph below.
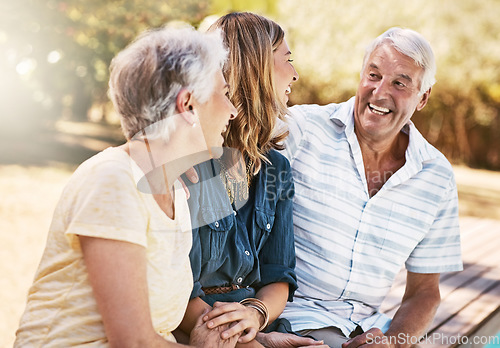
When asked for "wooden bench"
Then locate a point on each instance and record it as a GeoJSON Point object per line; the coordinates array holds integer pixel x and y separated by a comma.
{"type": "Point", "coordinates": [469, 314]}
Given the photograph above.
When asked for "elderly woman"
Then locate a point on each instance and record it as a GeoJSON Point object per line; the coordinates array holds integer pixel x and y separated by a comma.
{"type": "Point", "coordinates": [116, 269]}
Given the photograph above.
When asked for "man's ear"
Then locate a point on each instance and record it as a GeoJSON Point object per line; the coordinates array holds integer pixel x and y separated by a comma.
{"type": "Point", "coordinates": [424, 99]}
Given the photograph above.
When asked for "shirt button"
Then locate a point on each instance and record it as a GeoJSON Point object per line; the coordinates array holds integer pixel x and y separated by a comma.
{"type": "Point", "coordinates": [247, 253]}
{"type": "Point", "coordinates": [216, 223]}
{"type": "Point", "coordinates": [239, 280]}
{"type": "Point", "coordinates": [347, 293]}
{"type": "Point", "coordinates": [234, 212]}
{"type": "Point", "coordinates": [268, 226]}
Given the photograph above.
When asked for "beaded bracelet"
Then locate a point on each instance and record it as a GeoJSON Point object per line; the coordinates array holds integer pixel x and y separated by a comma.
{"type": "Point", "coordinates": [260, 307]}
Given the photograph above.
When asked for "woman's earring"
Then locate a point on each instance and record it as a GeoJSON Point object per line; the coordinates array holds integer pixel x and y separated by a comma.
{"type": "Point", "coordinates": [192, 112]}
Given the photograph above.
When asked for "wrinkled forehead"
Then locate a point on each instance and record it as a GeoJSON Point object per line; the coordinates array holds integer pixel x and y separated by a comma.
{"type": "Point", "coordinates": [389, 54]}
{"type": "Point", "coordinates": [389, 61]}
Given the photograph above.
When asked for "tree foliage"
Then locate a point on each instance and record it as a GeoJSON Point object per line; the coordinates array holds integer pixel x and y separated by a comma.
{"type": "Point", "coordinates": [54, 56]}
{"type": "Point", "coordinates": [61, 49]}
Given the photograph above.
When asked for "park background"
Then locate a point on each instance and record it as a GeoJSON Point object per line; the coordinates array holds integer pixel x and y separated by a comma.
{"type": "Point", "coordinates": [54, 110]}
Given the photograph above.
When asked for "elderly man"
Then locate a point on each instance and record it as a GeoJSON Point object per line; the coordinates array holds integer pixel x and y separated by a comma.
{"type": "Point", "coordinates": [371, 195]}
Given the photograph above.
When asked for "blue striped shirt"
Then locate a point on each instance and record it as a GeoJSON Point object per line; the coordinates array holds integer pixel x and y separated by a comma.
{"type": "Point", "coordinates": [349, 246]}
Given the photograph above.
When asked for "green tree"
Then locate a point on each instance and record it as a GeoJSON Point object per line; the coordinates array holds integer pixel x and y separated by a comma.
{"type": "Point", "coordinates": [60, 50]}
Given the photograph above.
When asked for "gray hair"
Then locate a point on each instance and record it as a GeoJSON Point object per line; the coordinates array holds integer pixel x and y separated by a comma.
{"type": "Point", "coordinates": [146, 77]}
{"type": "Point", "coordinates": [413, 45]}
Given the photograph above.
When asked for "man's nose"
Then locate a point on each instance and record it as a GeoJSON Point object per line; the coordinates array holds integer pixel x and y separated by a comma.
{"type": "Point", "coordinates": [381, 89]}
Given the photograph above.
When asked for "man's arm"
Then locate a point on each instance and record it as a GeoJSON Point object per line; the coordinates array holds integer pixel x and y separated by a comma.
{"type": "Point", "coordinates": [295, 123]}
{"type": "Point", "coordinates": [418, 307]}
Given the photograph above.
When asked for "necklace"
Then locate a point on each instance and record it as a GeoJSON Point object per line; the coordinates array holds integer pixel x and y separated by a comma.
{"type": "Point", "coordinates": [237, 186]}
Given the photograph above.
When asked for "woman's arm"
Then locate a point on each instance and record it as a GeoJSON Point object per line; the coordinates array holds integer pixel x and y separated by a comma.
{"type": "Point", "coordinates": [274, 297]}
{"type": "Point", "coordinates": [196, 307]}
{"type": "Point", "coordinates": [277, 256]}
{"type": "Point", "coordinates": [117, 273]}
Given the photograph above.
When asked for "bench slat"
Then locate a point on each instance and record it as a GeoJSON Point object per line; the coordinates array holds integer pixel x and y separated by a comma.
{"type": "Point", "coordinates": [469, 298]}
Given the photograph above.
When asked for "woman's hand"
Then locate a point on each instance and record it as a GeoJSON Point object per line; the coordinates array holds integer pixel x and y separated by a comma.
{"type": "Point", "coordinates": [203, 337]}
{"type": "Point", "coordinates": [242, 320]}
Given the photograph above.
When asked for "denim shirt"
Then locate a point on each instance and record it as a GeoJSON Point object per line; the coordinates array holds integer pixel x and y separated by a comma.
{"type": "Point", "coordinates": [251, 246]}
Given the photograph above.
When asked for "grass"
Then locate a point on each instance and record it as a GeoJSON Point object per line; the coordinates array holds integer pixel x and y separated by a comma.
{"type": "Point", "coordinates": [31, 188]}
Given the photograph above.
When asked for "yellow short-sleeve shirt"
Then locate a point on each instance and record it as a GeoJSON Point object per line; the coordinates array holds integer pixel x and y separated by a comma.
{"type": "Point", "coordinates": [102, 200]}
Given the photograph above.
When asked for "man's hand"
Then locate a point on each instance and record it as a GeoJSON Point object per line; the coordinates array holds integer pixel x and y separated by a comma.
{"type": "Point", "coordinates": [372, 338]}
{"type": "Point", "coordinates": [193, 177]}
{"type": "Point", "coordinates": [286, 340]}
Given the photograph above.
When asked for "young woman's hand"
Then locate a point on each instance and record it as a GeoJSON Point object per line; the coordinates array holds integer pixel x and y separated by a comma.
{"type": "Point", "coordinates": [203, 337]}
{"type": "Point", "coordinates": [242, 320]}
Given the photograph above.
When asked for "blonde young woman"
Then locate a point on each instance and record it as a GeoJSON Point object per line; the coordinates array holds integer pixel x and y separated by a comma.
{"type": "Point", "coordinates": [116, 270]}
{"type": "Point", "coordinates": [243, 255]}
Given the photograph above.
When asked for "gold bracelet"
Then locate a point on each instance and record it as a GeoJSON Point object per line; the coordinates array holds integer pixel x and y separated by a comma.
{"type": "Point", "coordinates": [260, 307]}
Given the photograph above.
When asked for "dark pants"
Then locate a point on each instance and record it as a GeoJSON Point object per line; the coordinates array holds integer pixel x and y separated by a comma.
{"type": "Point", "coordinates": [331, 336]}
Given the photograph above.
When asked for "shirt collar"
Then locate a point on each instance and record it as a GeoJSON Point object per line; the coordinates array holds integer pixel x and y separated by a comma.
{"type": "Point", "coordinates": [343, 116]}
{"type": "Point", "coordinates": [419, 150]}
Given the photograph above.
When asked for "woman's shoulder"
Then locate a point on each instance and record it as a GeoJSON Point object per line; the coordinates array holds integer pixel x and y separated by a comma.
{"type": "Point", "coordinates": [277, 160]}
{"type": "Point", "coordinates": [110, 159]}
{"type": "Point", "coordinates": [277, 173]}
{"type": "Point", "coordinates": [108, 166]}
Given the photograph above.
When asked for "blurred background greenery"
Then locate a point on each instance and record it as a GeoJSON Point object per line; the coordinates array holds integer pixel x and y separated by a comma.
{"type": "Point", "coordinates": [54, 57]}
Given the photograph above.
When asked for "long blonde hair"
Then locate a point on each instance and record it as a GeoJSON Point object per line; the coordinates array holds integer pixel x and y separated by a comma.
{"type": "Point", "coordinates": [251, 40]}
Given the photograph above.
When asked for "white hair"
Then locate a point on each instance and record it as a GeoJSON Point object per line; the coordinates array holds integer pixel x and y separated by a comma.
{"type": "Point", "coordinates": [413, 45]}
{"type": "Point", "coordinates": [147, 76]}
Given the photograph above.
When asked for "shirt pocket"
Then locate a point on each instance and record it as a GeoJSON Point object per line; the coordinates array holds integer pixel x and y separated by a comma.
{"type": "Point", "coordinates": [214, 234]}
{"type": "Point", "coordinates": [406, 228]}
{"type": "Point", "coordinates": [265, 223]}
